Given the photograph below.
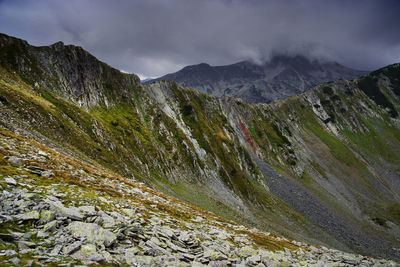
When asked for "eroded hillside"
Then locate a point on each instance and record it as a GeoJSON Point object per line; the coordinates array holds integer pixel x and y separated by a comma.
{"type": "Point", "coordinates": [322, 166]}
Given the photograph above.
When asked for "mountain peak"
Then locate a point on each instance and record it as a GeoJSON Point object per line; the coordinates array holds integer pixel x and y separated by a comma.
{"type": "Point", "coordinates": [57, 44]}
{"type": "Point", "coordinates": [201, 66]}
{"type": "Point", "coordinates": [280, 77]}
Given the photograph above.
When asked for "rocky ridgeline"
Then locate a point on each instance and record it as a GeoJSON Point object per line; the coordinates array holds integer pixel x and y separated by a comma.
{"type": "Point", "coordinates": [55, 210]}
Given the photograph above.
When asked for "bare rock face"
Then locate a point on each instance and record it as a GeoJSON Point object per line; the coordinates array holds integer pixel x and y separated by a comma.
{"type": "Point", "coordinates": [278, 78]}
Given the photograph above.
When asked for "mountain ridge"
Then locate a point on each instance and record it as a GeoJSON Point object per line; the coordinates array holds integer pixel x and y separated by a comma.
{"type": "Point", "coordinates": [280, 77]}
{"type": "Point", "coordinates": [334, 147]}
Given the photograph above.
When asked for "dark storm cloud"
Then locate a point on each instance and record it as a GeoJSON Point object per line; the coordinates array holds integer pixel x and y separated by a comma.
{"type": "Point", "coordinates": [154, 37]}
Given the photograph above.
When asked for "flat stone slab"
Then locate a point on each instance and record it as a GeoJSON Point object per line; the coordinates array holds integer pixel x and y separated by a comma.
{"type": "Point", "coordinates": [92, 232]}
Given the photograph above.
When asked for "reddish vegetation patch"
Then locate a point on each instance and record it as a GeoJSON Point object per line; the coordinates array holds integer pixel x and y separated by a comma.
{"type": "Point", "coordinates": [247, 136]}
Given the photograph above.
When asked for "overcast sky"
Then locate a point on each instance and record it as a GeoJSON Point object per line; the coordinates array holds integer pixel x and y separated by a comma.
{"type": "Point", "coordinates": [155, 37]}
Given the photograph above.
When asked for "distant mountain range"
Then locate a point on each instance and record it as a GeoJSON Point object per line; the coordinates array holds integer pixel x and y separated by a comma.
{"type": "Point", "coordinates": [278, 78]}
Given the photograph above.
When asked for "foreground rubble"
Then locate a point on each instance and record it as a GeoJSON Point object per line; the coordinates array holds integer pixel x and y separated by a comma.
{"type": "Point", "coordinates": [55, 210]}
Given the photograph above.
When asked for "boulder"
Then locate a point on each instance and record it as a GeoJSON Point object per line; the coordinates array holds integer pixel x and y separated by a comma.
{"type": "Point", "coordinates": [15, 160]}
{"type": "Point", "coordinates": [247, 251]}
{"type": "Point", "coordinates": [140, 261]}
{"type": "Point", "coordinates": [92, 232]}
{"type": "Point", "coordinates": [214, 255]}
{"type": "Point", "coordinates": [108, 221]}
{"type": "Point", "coordinates": [89, 210]}
{"type": "Point", "coordinates": [32, 215]}
{"type": "Point", "coordinates": [10, 181]}
{"type": "Point", "coordinates": [51, 226]}
{"type": "Point", "coordinates": [72, 213]}
{"type": "Point", "coordinates": [130, 254]}
{"type": "Point", "coordinates": [47, 215]}
{"type": "Point", "coordinates": [88, 252]}
{"type": "Point", "coordinates": [72, 248]}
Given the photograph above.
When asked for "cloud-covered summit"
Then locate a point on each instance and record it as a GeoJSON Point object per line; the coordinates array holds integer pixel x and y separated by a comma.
{"type": "Point", "coordinates": [154, 37]}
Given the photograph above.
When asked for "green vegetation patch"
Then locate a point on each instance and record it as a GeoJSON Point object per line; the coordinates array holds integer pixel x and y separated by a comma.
{"type": "Point", "coordinates": [369, 85]}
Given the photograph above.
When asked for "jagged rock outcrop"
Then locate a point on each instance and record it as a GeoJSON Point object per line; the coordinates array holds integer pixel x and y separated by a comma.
{"type": "Point", "coordinates": [320, 167]}
{"type": "Point", "coordinates": [280, 77]}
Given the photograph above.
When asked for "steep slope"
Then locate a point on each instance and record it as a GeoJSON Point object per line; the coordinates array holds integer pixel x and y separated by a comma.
{"type": "Point", "coordinates": [281, 77]}
{"type": "Point", "coordinates": [55, 210]}
{"type": "Point", "coordinates": [321, 166]}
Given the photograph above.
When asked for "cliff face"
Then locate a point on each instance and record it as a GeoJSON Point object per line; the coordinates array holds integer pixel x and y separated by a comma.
{"type": "Point", "coordinates": [321, 166]}
{"type": "Point", "coordinates": [281, 77]}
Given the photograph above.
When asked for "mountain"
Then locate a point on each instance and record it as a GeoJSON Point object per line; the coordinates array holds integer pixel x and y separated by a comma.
{"type": "Point", "coordinates": [321, 167]}
{"type": "Point", "coordinates": [281, 77]}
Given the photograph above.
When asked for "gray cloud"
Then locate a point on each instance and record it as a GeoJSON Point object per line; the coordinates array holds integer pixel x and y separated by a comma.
{"type": "Point", "coordinates": [154, 37]}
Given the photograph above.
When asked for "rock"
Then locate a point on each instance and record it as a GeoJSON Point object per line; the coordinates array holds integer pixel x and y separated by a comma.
{"type": "Point", "coordinates": [184, 236]}
{"type": "Point", "coordinates": [29, 196]}
{"type": "Point", "coordinates": [35, 168]}
{"type": "Point", "coordinates": [157, 242]}
{"type": "Point", "coordinates": [7, 194]}
{"type": "Point", "coordinates": [141, 261]}
{"type": "Point", "coordinates": [25, 245]}
{"type": "Point", "coordinates": [129, 212]}
{"type": "Point", "coordinates": [18, 235]}
{"type": "Point", "coordinates": [56, 250]}
{"type": "Point", "coordinates": [51, 226]}
{"type": "Point", "coordinates": [117, 216]}
{"type": "Point", "coordinates": [29, 263]}
{"type": "Point", "coordinates": [10, 181]}
{"type": "Point", "coordinates": [108, 221]}
{"type": "Point", "coordinates": [15, 261]}
{"type": "Point", "coordinates": [174, 247]}
{"type": "Point", "coordinates": [89, 252]}
{"type": "Point", "coordinates": [351, 261]}
{"type": "Point", "coordinates": [102, 199]}
{"type": "Point", "coordinates": [42, 153]}
{"type": "Point", "coordinates": [42, 234]}
{"type": "Point", "coordinates": [130, 255]}
{"type": "Point", "coordinates": [47, 215]}
{"type": "Point", "coordinates": [214, 255]}
{"type": "Point", "coordinates": [92, 232]}
{"type": "Point", "coordinates": [8, 252]}
{"type": "Point", "coordinates": [46, 174]}
{"type": "Point", "coordinates": [32, 215]}
{"type": "Point", "coordinates": [72, 248]}
{"type": "Point", "coordinates": [198, 219]}
{"type": "Point", "coordinates": [253, 260]}
{"type": "Point", "coordinates": [71, 212]}
{"type": "Point", "coordinates": [247, 251]}
{"type": "Point", "coordinates": [89, 210]}
{"type": "Point", "coordinates": [188, 256]}
{"type": "Point", "coordinates": [15, 160]}
{"type": "Point", "coordinates": [167, 232]}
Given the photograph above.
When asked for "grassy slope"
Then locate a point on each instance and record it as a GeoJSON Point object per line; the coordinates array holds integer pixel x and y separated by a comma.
{"type": "Point", "coordinates": [129, 144]}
